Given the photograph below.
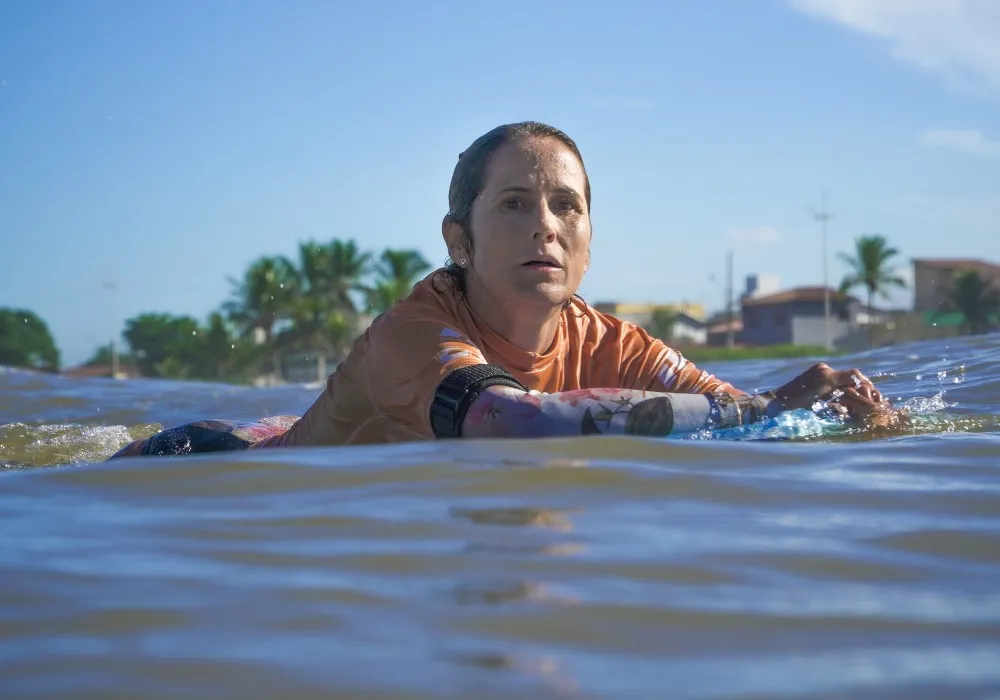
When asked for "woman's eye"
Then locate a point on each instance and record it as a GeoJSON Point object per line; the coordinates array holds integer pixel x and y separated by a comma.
{"type": "Point", "coordinates": [512, 203]}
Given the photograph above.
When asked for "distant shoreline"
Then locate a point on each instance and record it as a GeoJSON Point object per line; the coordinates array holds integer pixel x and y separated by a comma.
{"type": "Point", "coordinates": [704, 353]}
{"type": "Point", "coordinates": [694, 353]}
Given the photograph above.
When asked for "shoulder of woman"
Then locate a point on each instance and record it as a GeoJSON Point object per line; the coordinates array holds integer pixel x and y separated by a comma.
{"type": "Point", "coordinates": [421, 323]}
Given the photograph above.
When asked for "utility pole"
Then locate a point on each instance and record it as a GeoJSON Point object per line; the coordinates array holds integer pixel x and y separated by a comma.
{"type": "Point", "coordinates": [113, 287]}
{"type": "Point", "coordinates": [729, 300]}
{"type": "Point", "coordinates": [823, 216]}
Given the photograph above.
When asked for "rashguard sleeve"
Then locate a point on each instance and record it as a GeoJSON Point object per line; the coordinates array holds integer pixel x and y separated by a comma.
{"type": "Point", "coordinates": [648, 363]}
{"type": "Point", "coordinates": [407, 361]}
{"type": "Point", "coordinates": [674, 373]}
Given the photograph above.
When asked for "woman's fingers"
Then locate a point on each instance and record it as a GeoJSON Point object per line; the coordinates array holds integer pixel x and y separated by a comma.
{"type": "Point", "coordinates": [856, 380]}
{"type": "Point", "coordinates": [838, 408]}
{"type": "Point", "coordinates": [856, 404]}
{"type": "Point", "coordinates": [867, 411]}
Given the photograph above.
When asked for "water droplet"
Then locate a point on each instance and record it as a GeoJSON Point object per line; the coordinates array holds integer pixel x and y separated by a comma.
{"type": "Point", "coordinates": [942, 374]}
{"type": "Point", "coordinates": [919, 377]}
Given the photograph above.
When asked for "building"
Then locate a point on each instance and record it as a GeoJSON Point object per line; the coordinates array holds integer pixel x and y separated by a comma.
{"type": "Point", "coordinates": [761, 285]}
{"type": "Point", "coordinates": [797, 317]}
{"type": "Point", "coordinates": [932, 279]}
{"type": "Point", "coordinates": [689, 325]}
{"type": "Point", "coordinates": [688, 329]}
{"type": "Point", "coordinates": [721, 330]}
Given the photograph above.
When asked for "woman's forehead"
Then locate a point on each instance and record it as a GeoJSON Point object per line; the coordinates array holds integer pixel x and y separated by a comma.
{"type": "Point", "coordinates": [537, 162]}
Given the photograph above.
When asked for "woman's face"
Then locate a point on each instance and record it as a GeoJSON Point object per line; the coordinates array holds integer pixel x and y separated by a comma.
{"type": "Point", "coordinates": [530, 225]}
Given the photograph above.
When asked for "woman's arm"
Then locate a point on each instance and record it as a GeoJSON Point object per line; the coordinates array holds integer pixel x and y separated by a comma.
{"type": "Point", "coordinates": [501, 411]}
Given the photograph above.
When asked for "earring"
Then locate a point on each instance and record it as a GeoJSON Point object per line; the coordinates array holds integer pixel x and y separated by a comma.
{"type": "Point", "coordinates": [461, 263]}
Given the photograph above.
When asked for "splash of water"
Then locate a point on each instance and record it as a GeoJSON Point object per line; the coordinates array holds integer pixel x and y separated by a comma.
{"type": "Point", "coordinates": [61, 444]}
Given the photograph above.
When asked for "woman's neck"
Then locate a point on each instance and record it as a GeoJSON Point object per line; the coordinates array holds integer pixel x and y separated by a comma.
{"type": "Point", "coordinates": [531, 327]}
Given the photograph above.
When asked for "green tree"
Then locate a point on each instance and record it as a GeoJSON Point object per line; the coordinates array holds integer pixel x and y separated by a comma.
{"type": "Point", "coordinates": [264, 296]}
{"type": "Point", "coordinates": [869, 267]}
{"type": "Point", "coordinates": [222, 354]}
{"type": "Point", "coordinates": [661, 324]}
{"type": "Point", "coordinates": [396, 272]}
{"type": "Point", "coordinates": [321, 320]}
{"type": "Point", "coordinates": [103, 356]}
{"type": "Point", "coordinates": [25, 341]}
{"type": "Point", "coordinates": [178, 347]}
{"type": "Point", "coordinates": [975, 298]}
{"type": "Point", "coordinates": [348, 267]}
{"type": "Point", "coordinates": [309, 305]}
{"type": "Point", "coordinates": [164, 345]}
{"type": "Point", "coordinates": [262, 299]}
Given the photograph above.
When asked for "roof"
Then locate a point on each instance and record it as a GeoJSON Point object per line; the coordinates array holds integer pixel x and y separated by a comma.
{"type": "Point", "coordinates": [689, 320]}
{"type": "Point", "coordinates": [958, 264]}
{"type": "Point", "coordinates": [797, 294]}
{"type": "Point", "coordinates": [736, 326]}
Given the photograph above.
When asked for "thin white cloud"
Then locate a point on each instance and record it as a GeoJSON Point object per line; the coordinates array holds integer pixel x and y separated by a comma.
{"type": "Point", "coordinates": [965, 140]}
{"type": "Point", "coordinates": [956, 39]}
{"type": "Point", "coordinates": [744, 237]}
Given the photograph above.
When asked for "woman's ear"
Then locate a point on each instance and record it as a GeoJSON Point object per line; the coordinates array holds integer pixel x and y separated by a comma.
{"type": "Point", "coordinates": [454, 238]}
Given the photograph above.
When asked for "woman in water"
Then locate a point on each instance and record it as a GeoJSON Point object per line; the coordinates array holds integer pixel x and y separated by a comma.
{"type": "Point", "coordinates": [497, 344]}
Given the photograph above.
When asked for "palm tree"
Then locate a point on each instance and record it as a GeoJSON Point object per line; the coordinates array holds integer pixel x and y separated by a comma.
{"type": "Point", "coordinates": [325, 315]}
{"type": "Point", "coordinates": [397, 271]}
{"type": "Point", "coordinates": [869, 267]}
{"type": "Point", "coordinates": [221, 355]}
{"type": "Point", "coordinates": [976, 298]}
{"type": "Point", "coordinates": [314, 302]}
{"type": "Point", "coordinates": [262, 299]}
{"type": "Point", "coordinates": [347, 268]}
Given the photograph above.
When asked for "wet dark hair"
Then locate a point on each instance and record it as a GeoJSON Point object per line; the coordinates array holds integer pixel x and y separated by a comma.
{"type": "Point", "coordinates": [469, 176]}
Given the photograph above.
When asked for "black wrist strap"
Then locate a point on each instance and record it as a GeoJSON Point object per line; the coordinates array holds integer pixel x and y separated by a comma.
{"type": "Point", "coordinates": [458, 390]}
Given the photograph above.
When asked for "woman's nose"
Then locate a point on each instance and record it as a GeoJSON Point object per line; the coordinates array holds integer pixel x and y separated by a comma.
{"type": "Point", "coordinates": [546, 225]}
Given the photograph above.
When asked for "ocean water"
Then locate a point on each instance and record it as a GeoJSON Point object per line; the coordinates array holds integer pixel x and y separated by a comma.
{"type": "Point", "coordinates": [800, 558]}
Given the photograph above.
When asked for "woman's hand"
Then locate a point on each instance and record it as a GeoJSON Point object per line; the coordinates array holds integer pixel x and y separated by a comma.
{"type": "Point", "coordinates": [820, 381]}
{"type": "Point", "coordinates": [868, 412]}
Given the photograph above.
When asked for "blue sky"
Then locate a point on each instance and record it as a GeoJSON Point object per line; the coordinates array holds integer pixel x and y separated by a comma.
{"type": "Point", "coordinates": [165, 145]}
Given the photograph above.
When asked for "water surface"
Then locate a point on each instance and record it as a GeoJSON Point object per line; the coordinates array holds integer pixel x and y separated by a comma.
{"type": "Point", "coordinates": [823, 564]}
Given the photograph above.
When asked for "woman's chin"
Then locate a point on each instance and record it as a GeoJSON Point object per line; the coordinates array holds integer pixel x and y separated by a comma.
{"type": "Point", "coordinates": [538, 295]}
{"type": "Point", "coordinates": [544, 294]}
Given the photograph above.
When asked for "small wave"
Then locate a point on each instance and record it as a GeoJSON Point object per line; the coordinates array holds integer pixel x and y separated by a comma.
{"type": "Point", "coordinates": [23, 445]}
